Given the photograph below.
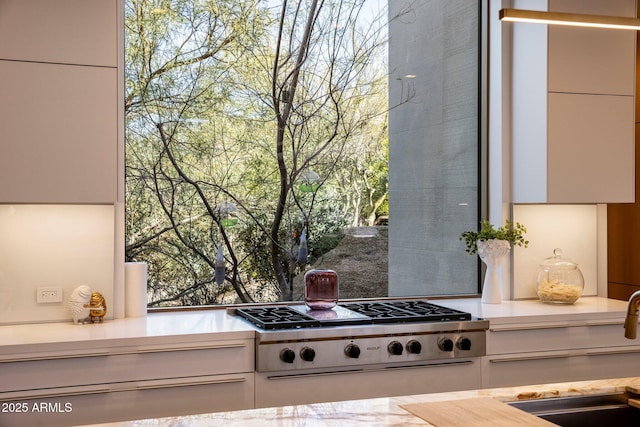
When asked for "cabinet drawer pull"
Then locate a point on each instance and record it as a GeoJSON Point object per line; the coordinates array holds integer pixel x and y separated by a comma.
{"type": "Point", "coordinates": [79, 354]}
{"type": "Point", "coordinates": [185, 382]}
{"type": "Point", "coordinates": [613, 352]}
{"type": "Point", "coordinates": [535, 326]}
{"type": "Point", "coordinates": [529, 326]}
{"type": "Point", "coordinates": [54, 356]}
{"type": "Point", "coordinates": [532, 357]}
{"type": "Point", "coordinates": [341, 373]}
{"type": "Point", "coordinates": [119, 387]}
{"type": "Point", "coordinates": [55, 392]}
{"type": "Point", "coordinates": [161, 348]}
{"type": "Point", "coordinates": [610, 322]}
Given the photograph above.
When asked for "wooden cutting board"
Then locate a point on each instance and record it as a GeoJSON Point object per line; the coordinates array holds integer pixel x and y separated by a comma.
{"type": "Point", "coordinates": [476, 412]}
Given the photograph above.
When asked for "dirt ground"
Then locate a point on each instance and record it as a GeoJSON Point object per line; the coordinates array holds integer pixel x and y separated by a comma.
{"type": "Point", "coordinates": [361, 261]}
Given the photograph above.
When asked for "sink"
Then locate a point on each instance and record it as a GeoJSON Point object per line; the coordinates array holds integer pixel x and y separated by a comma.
{"type": "Point", "coordinates": [584, 411]}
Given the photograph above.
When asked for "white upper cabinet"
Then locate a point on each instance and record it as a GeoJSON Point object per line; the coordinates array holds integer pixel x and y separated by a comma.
{"type": "Point", "coordinates": [61, 31]}
{"type": "Point", "coordinates": [60, 89]}
{"type": "Point", "coordinates": [573, 108]}
{"type": "Point", "coordinates": [604, 168]}
{"type": "Point", "coordinates": [59, 139]}
{"type": "Point", "coordinates": [589, 60]}
{"type": "Point", "coordinates": [592, 60]}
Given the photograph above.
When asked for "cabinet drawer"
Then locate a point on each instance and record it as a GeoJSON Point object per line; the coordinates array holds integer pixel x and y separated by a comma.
{"type": "Point", "coordinates": [559, 366]}
{"type": "Point", "coordinates": [223, 357]}
{"type": "Point", "coordinates": [145, 399]}
{"type": "Point", "coordinates": [109, 367]}
{"type": "Point", "coordinates": [550, 337]}
{"type": "Point", "coordinates": [284, 389]}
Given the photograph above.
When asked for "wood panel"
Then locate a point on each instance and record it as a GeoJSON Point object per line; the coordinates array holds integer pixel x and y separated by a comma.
{"type": "Point", "coordinates": [478, 412]}
{"type": "Point", "coordinates": [623, 230]}
{"type": "Point", "coordinates": [623, 239]}
{"type": "Point", "coordinates": [621, 291]}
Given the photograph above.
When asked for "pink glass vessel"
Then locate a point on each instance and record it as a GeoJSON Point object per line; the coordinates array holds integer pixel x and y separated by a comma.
{"type": "Point", "coordinates": [321, 289]}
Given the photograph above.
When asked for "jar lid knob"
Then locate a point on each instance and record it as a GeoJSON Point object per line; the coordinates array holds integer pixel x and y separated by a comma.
{"type": "Point", "coordinates": [557, 253]}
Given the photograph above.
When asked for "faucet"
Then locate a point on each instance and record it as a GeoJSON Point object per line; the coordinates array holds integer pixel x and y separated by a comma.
{"type": "Point", "coordinates": [631, 321]}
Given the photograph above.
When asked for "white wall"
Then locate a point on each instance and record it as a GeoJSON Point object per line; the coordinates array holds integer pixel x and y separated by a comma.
{"type": "Point", "coordinates": [572, 228]}
{"type": "Point", "coordinates": [53, 245]}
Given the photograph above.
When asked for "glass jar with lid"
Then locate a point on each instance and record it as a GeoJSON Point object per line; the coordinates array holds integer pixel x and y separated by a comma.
{"type": "Point", "coordinates": [560, 281]}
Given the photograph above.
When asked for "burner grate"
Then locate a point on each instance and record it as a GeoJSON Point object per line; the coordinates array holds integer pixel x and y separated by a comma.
{"type": "Point", "coordinates": [431, 311]}
{"type": "Point", "coordinates": [277, 317]}
{"type": "Point", "coordinates": [406, 311]}
{"type": "Point", "coordinates": [350, 313]}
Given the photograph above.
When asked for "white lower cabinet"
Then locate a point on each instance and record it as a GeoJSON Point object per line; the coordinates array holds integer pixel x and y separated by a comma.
{"type": "Point", "coordinates": [123, 383]}
{"type": "Point", "coordinates": [550, 353]}
{"type": "Point", "coordinates": [127, 401]}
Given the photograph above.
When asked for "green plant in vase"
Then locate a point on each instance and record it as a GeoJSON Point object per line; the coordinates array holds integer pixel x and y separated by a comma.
{"type": "Point", "coordinates": [513, 234]}
{"type": "Point", "coordinates": [492, 245]}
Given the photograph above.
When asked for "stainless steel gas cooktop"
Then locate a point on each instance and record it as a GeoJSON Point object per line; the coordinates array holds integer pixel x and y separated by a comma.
{"type": "Point", "coordinates": [349, 313]}
{"type": "Point", "coordinates": [362, 335]}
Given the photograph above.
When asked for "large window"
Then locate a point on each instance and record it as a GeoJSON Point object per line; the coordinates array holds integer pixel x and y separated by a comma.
{"type": "Point", "coordinates": [263, 141]}
{"type": "Point", "coordinates": [435, 145]}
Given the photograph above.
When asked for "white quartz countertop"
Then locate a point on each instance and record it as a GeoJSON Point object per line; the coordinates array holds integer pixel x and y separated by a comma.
{"type": "Point", "coordinates": [381, 412]}
{"type": "Point", "coordinates": [153, 329]}
{"type": "Point", "coordinates": [587, 310]}
{"type": "Point", "coordinates": [215, 324]}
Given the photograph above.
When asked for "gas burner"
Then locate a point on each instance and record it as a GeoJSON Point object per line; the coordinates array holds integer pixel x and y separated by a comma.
{"type": "Point", "coordinates": [431, 311]}
{"type": "Point", "coordinates": [406, 311]}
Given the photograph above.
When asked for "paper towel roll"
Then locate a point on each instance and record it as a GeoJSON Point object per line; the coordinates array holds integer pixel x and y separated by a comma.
{"type": "Point", "coordinates": [135, 289]}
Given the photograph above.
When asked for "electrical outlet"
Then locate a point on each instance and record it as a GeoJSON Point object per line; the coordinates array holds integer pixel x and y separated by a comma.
{"type": "Point", "coordinates": [48, 294]}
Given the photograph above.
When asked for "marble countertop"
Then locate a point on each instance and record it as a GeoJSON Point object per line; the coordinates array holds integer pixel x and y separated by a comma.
{"type": "Point", "coordinates": [382, 412]}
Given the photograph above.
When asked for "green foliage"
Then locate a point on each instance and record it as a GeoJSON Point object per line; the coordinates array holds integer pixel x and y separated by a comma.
{"type": "Point", "coordinates": [201, 130]}
{"type": "Point", "coordinates": [510, 232]}
{"type": "Point", "coordinates": [325, 232]}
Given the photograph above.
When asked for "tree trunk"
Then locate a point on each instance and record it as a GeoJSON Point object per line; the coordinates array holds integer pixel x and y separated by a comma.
{"type": "Point", "coordinates": [286, 288]}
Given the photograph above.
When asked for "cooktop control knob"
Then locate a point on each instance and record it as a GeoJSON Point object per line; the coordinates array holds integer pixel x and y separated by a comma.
{"type": "Point", "coordinates": [308, 354]}
{"type": "Point", "coordinates": [463, 343]}
{"type": "Point", "coordinates": [414, 347]}
{"type": "Point", "coordinates": [445, 344]}
{"type": "Point", "coordinates": [395, 348]}
{"type": "Point", "coordinates": [352, 351]}
{"type": "Point", "coordinates": [287, 355]}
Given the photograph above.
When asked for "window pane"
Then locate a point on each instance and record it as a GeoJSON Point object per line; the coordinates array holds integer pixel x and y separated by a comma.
{"type": "Point", "coordinates": [257, 150]}
{"type": "Point", "coordinates": [433, 146]}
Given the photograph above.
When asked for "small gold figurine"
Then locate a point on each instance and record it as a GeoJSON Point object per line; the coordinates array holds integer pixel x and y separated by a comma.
{"type": "Point", "coordinates": [97, 307]}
